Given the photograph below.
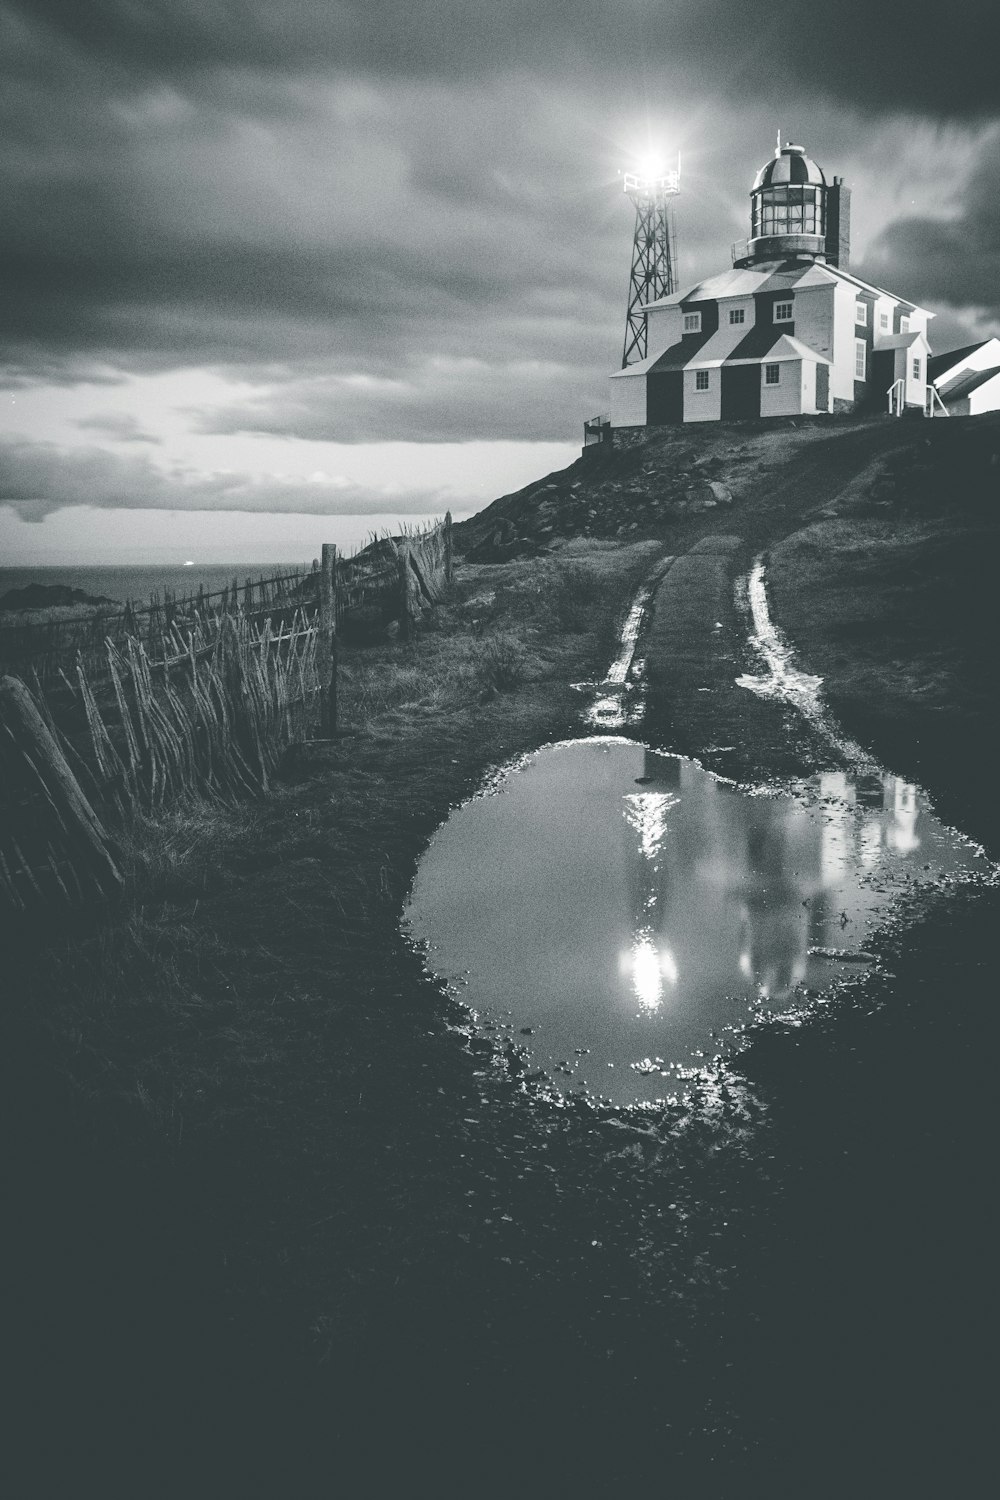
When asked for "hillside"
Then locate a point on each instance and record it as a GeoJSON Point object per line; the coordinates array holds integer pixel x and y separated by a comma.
{"type": "Point", "coordinates": [678, 474]}
{"type": "Point", "coordinates": [273, 1199]}
{"type": "Point", "coordinates": [884, 541]}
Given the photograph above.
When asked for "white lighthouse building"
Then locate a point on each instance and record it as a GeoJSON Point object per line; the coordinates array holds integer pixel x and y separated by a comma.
{"type": "Point", "coordinates": [788, 331]}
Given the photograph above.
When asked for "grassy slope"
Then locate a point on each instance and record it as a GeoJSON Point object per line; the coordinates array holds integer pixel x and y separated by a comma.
{"type": "Point", "coordinates": [249, 1135]}
{"type": "Point", "coordinates": [891, 597]}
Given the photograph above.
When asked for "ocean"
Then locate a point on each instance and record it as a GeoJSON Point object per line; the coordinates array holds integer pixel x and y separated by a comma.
{"type": "Point", "coordinates": [140, 583]}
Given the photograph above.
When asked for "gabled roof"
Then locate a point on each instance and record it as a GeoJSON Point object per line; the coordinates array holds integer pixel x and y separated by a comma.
{"type": "Point", "coordinates": [638, 367]}
{"type": "Point", "coordinates": [940, 363]}
{"type": "Point", "coordinates": [900, 340]}
{"type": "Point", "coordinates": [718, 350]}
{"type": "Point", "coordinates": [774, 276]}
{"type": "Point", "coordinates": [965, 384]}
{"type": "Point", "coordinates": [787, 347]}
{"type": "Point", "coordinates": [744, 282]}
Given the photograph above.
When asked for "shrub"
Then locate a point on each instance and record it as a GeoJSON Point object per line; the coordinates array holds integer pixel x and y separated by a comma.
{"type": "Point", "coordinates": [500, 664]}
{"type": "Point", "coordinates": [577, 592]}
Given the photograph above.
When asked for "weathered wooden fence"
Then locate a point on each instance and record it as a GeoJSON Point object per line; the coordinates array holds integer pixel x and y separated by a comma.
{"type": "Point", "coordinates": [41, 649]}
{"type": "Point", "coordinates": [206, 705]}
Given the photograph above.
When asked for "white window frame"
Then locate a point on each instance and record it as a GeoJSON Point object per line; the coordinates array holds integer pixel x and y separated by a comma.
{"type": "Point", "coordinates": [783, 312]}
{"type": "Point", "coordinates": [701, 381]}
{"type": "Point", "coordinates": [861, 314]}
{"type": "Point", "coordinates": [860, 360]}
{"type": "Point", "coordinates": [772, 374]}
{"type": "Point", "coordinates": [917, 368]}
{"type": "Point", "coordinates": [904, 324]}
{"type": "Point", "coordinates": [692, 322]}
{"type": "Point", "coordinates": [737, 315]}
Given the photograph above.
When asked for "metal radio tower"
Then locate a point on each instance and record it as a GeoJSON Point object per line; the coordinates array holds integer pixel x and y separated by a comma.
{"type": "Point", "coordinates": [653, 253]}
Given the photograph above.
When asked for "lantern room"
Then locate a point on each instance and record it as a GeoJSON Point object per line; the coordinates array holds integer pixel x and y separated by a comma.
{"type": "Point", "coordinates": [794, 213]}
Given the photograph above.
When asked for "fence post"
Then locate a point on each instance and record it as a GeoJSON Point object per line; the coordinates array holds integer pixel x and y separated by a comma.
{"type": "Point", "coordinates": [326, 652]}
{"type": "Point", "coordinates": [42, 752]}
{"type": "Point", "coordinates": [403, 569]}
{"type": "Point", "coordinates": [448, 548]}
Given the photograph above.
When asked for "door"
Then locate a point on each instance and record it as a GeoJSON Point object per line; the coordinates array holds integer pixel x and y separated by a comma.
{"type": "Point", "coordinates": [740, 392]}
{"type": "Point", "coordinates": [822, 387]}
{"type": "Point", "coordinates": [664, 397]}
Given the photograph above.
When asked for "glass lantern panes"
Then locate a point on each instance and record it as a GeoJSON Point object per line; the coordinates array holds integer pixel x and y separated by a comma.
{"type": "Point", "coordinates": [788, 210]}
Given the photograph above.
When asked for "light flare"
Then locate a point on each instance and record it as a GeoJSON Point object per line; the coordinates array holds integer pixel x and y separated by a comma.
{"type": "Point", "coordinates": [651, 968]}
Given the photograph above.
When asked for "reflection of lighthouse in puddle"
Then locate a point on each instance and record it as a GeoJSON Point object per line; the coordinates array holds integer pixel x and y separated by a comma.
{"type": "Point", "coordinates": [742, 891]}
{"type": "Point", "coordinates": [650, 963]}
{"type": "Point", "coordinates": [864, 817]}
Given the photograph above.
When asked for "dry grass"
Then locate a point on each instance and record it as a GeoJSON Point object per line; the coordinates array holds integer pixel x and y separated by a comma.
{"type": "Point", "coordinates": [248, 1038]}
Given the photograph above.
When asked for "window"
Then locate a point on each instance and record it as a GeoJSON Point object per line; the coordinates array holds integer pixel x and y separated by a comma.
{"type": "Point", "coordinates": [861, 314]}
{"type": "Point", "coordinates": [916, 369]}
{"type": "Point", "coordinates": [701, 380]}
{"type": "Point", "coordinates": [787, 210]}
{"type": "Point", "coordinates": [904, 325]}
{"type": "Point", "coordinates": [692, 322]}
{"type": "Point", "coordinates": [772, 374]}
{"type": "Point", "coordinates": [782, 312]}
{"type": "Point", "coordinates": [883, 321]}
{"type": "Point", "coordinates": [737, 315]}
{"type": "Point", "coordinates": [860, 364]}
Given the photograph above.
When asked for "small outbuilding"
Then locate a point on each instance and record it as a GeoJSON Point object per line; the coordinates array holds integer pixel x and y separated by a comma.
{"type": "Point", "coordinates": [966, 382]}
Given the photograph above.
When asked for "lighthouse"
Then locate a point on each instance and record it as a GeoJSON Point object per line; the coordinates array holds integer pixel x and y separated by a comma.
{"type": "Point", "coordinates": [788, 330]}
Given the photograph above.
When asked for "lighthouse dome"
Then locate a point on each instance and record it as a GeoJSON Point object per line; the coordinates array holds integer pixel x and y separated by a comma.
{"type": "Point", "coordinates": [789, 166]}
{"type": "Point", "coordinates": [788, 210]}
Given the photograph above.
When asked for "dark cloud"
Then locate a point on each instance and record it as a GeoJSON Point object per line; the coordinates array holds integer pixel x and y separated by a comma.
{"type": "Point", "coordinates": [954, 260]}
{"type": "Point", "coordinates": [402, 222]}
{"type": "Point", "coordinates": [38, 478]}
{"type": "Point", "coordinates": [927, 56]}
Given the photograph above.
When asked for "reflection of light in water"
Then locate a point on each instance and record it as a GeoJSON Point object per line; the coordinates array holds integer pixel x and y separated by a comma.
{"type": "Point", "coordinates": [902, 833]}
{"type": "Point", "coordinates": [646, 812]}
{"type": "Point", "coordinates": [630, 634]}
{"type": "Point", "coordinates": [773, 950]}
{"type": "Point", "coordinates": [608, 710]}
{"type": "Point", "coordinates": [784, 680]}
{"type": "Point", "coordinates": [650, 967]}
{"type": "Point", "coordinates": [871, 845]}
{"type": "Point", "coordinates": [838, 826]}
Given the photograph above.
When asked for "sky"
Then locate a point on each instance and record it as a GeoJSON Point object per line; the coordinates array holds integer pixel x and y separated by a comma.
{"type": "Point", "coordinates": [278, 274]}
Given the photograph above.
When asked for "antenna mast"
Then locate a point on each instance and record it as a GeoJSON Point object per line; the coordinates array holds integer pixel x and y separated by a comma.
{"type": "Point", "coordinates": [653, 251]}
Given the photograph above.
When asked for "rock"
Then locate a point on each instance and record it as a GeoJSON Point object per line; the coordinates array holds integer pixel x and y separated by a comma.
{"type": "Point", "coordinates": [51, 596]}
{"type": "Point", "coordinates": [480, 603]}
{"type": "Point", "coordinates": [705, 494]}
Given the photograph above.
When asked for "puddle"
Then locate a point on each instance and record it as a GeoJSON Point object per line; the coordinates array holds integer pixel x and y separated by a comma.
{"type": "Point", "coordinates": [624, 912]}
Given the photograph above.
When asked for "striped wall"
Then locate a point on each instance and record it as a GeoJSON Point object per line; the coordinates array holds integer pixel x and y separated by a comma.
{"type": "Point", "coordinates": [815, 350]}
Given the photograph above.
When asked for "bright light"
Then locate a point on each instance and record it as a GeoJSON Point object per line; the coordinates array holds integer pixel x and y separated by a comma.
{"type": "Point", "coordinates": [649, 968]}
{"type": "Point", "coordinates": [652, 176]}
{"type": "Point", "coordinates": [646, 812]}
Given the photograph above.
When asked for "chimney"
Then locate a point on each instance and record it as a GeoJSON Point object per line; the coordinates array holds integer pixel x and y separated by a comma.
{"type": "Point", "coordinates": [838, 224]}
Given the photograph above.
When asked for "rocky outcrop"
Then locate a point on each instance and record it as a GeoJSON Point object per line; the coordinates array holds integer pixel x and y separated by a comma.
{"type": "Point", "coordinates": [52, 596]}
